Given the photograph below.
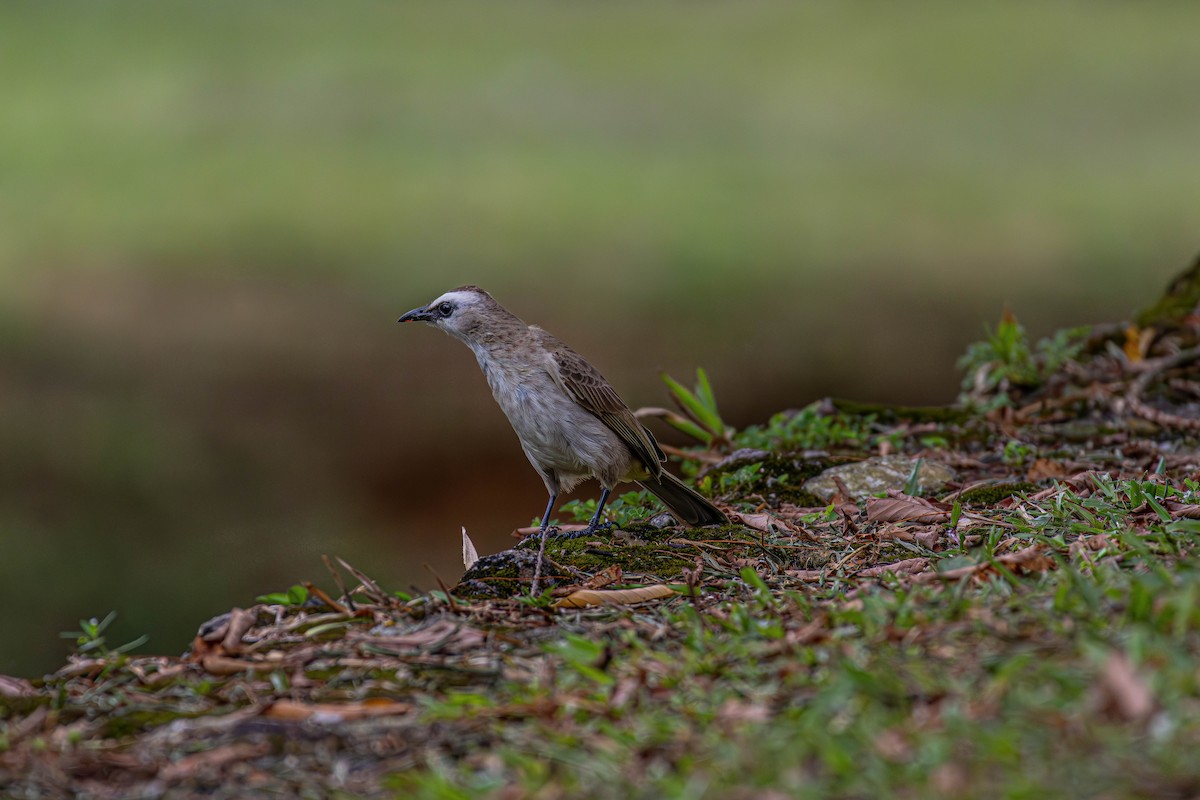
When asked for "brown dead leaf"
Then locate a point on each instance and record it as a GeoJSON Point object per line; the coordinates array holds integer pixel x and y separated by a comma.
{"type": "Point", "coordinates": [928, 536]}
{"type": "Point", "coordinates": [1137, 342]}
{"type": "Point", "coordinates": [734, 710]}
{"type": "Point", "coordinates": [763, 522]}
{"type": "Point", "coordinates": [1080, 546]}
{"type": "Point", "coordinates": [614, 597]}
{"type": "Point", "coordinates": [892, 745]}
{"type": "Point", "coordinates": [296, 711]}
{"type": "Point", "coordinates": [792, 512]}
{"type": "Point", "coordinates": [815, 631]}
{"type": "Point", "coordinates": [805, 574]}
{"type": "Point", "coordinates": [210, 759]}
{"type": "Point", "coordinates": [1121, 692]}
{"type": "Point", "coordinates": [1023, 562]}
{"type": "Point", "coordinates": [441, 635]}
{"type": "Point", "coordinates": [1043, 468]}
{"type": "Point", "coordinates": [950, 780]}
{"type": "Point", "coordinates": [15, 687]}
{"type": "Point", "coordinates": [166, 670]}
{"type": "Point", "coordinates": [909, 566]}
{"type": "Point", "coordinates": [605, 577]}
{"type": "Point", "coordinates": [17, 729]}
{"type": "Point", "coordinates": [240, 621]}
{"type": "Point", "coordinates": [1183, 510]}
{"type": "Point", "coordinates": [323, 596]}
{"type": "Point", "coordinates": [903, 508]}
{"type": "Point", "coordinates": [223, 665]}
{"type": "Point", "coordinates": [1028, 561]}
{"type": "Point", "coordinates": [626, 691]}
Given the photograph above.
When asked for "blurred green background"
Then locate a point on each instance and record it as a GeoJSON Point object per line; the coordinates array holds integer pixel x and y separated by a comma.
{"type": "Point", "coordinates": [211, 215]}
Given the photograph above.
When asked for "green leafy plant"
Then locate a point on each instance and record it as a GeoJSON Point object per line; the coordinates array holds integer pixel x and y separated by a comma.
{"type": "Point", "coordinates": [1004, 362]}
{"type": "Point", "coordinates": [1017, 452]}
{"type": "Point", "coordinates": [698, 416]}
{"type": "Point", "coordinates": [807, 429]}
{"type": "Point", "coordinates": [584, 656]}
{"type": "Point", "coordinates": [624, 510]}
{"type": "Point", "coordinates": [295, 596]}
{"type": "Point", "coordinates": [90, 638]}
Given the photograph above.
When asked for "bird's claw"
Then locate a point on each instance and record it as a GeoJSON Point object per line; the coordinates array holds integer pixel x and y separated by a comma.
{"type": "Point", "coordinates": [590, 530]}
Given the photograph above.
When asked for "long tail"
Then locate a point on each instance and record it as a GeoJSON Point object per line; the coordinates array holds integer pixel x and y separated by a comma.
{"type": "Point", "coordinates": [683, 501]}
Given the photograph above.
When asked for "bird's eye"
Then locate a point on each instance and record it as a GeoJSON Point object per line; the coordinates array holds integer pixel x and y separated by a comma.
{"type": "Point", "coordinates": [444, 309]}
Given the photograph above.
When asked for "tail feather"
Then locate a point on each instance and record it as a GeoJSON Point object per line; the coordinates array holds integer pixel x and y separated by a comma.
{"type": "Point", "coordinates": [684, 501]}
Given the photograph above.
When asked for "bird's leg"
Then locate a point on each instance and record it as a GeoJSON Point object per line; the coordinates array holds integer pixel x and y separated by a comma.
{"type": "Point", "coordinates": [592, 526]}
{"type": "Point", "coordinates": [537, 569]}
{"type": "Point", "coordinates": [546, 516]}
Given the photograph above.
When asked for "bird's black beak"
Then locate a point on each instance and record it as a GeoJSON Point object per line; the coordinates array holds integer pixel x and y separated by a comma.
{"type": "Point", "coordinates": [421, 314]}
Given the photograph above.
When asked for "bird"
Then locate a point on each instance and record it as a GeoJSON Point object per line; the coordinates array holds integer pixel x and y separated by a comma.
{"type": "Point", "coordinates": [570, 421]}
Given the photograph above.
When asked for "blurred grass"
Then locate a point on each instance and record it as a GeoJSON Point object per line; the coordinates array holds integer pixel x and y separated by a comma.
{"type": "Point", "coordinates": [209, 212]}
{"type": "Point", "coordinates": [712, 142]}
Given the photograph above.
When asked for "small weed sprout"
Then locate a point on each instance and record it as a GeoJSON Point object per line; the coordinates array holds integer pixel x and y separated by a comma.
{"type": "Point", "coordinates": [295, 596]}
{"type": "Point", "coordinates": [90, 638]}
{"type": "Point", "coordinates": [1004, 362]}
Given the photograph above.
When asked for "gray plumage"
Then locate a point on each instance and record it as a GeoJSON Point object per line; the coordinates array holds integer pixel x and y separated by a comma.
{"type": "Point", "coordinates": [571, 422]}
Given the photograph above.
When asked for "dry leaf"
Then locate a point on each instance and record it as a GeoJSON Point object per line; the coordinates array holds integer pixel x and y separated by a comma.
{"type": "Point", "coordinates": [893, 746]}
{"type": "Point", "coordinates": [443, 634]}
{"type": "Point", "coordinates": [1185, 510]}
{"type": "Point", "coordinates": [1023, 562]}
{"type": "Point", "coordinates": [1121, 692]}
{"type": "Point", "coordinates": [903, 508]}
{"type": "Point", "coordinates": [805, 574]}
{"type": "Point", "coordinates": [763, 522]}
{"type": "Point", "coordinates": [927, 536]}
{"type": "Point", "coordinates": [614, 597]}
{"type": "Point", "coordinates": [240, 621]}
{"type": "Point", "coordinates": [212, 759]}
{"type": "Point", "coordinates": [470, 556]}
{"type": "Point", "coordinates": [1044, 468]}
{"type": "Point", "coordinates": [734, 710]}
{"type": "Point", "coordinates": [1028, 561]}
{"type": "Point", "coordinates": [15, 687]}
{"type": "Point", "coordinates": [605, 577]}
{"type": "Point", "coordinates": [222, 665]}
{"type": "Point", "coordinates": [295, 711]}
{"type": "Point", "coordinates": [1137, 342]}
{"type": "Point", "coordinates": [909, 566]}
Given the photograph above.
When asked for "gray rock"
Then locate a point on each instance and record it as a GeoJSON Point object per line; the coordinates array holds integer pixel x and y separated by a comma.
{"type": "Point", "coordinates": [876, 475]}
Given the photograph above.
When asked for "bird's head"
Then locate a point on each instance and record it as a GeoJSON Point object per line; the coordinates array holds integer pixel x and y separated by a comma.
{"type": "Point", "coordinates": [464, 312]}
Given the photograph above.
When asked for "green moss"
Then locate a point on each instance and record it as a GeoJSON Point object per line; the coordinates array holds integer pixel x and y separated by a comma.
{"type": "Point", "coordinates": [126, 722]}
{"type": "Point", "coordinates": [21, 705]}
{"type": "Point", "coordinates": [1179, 300]}
{"type": "Point", "coordinates": [498, 575]}
{"type": "Point", "coordinates": [889, 414]}
{"type": "Point", "coordinates": [639, 549]}
{"type": "Point", "coordinates": [777, 479]}
{"type": "Point", "coordinates": [995, 492]}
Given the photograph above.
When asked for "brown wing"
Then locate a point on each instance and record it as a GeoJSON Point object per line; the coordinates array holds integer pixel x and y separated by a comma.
{"type": "Point", "coordinates": [589, 388]}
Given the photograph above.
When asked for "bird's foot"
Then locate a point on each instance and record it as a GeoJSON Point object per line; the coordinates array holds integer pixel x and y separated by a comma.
{"type": "Point", "coordinates": [590, 530]}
